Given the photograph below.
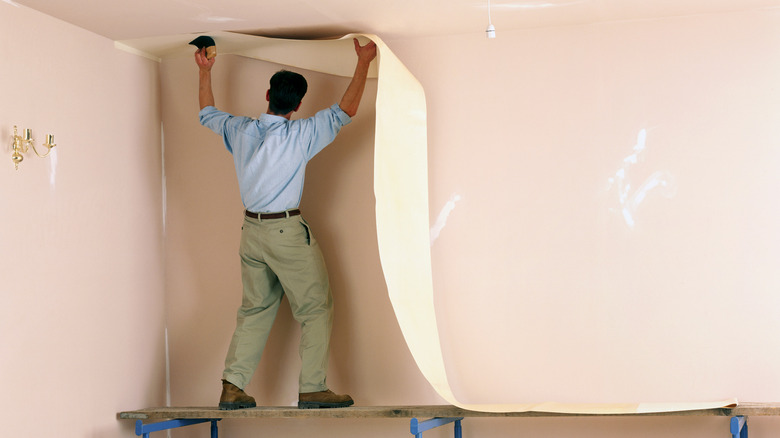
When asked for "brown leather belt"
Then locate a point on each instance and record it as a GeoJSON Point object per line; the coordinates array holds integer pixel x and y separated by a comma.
{"type": "Point", "coordinates": [281, 215]}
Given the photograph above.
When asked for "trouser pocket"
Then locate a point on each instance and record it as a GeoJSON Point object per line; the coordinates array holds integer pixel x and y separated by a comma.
{"type": "Point", "coordinates": [307, 230]}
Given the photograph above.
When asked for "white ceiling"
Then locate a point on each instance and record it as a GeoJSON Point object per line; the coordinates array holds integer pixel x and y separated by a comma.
{"type": "Point", "coordinates": [389, 19]}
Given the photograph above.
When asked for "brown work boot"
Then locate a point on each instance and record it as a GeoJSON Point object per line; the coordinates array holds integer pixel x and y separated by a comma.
{"type": "Point", "coordinates": [234, 398]}
{"type": "Point", "coordinates": [323, 399]}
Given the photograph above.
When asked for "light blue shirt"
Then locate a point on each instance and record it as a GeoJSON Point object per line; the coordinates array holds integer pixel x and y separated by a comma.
{"type": "Point", "coordinates": [270, 153]}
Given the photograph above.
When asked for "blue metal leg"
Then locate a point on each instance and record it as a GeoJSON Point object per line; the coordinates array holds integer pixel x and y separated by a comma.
{"type": "Point", "coordinates": [739, 427]}
{"type": "Point", "coordinates": [214, 431]}
{"type": "Point", "coordinates": [144, 430]}
{"type": "Point", "coordinates": [417, 427]}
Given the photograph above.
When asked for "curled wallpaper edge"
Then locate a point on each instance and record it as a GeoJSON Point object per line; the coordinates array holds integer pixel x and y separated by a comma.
{"type": "Point", "coordinates": [401, 190]}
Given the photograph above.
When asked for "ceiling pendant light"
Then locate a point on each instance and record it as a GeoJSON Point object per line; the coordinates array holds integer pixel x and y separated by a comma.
{"type": "Point", "coordinates": [491, 30]}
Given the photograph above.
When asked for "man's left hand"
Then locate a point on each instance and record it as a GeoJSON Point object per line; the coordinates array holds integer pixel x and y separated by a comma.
{"type": "Point", "coordinates": [203, 62]}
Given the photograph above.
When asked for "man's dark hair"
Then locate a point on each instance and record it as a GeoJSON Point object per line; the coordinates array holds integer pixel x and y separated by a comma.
{"type": "Point", "coordinates": [287, 90]}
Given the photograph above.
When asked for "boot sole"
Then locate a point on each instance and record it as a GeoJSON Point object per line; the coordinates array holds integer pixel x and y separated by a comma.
{"type": "Point", "coordinates": [320, 405]}
{"type": "Point", "coordinates": [226, 406]}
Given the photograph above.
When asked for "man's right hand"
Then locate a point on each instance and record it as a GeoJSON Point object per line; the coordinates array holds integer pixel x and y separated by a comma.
{"type": "Point", "coordinates": [351, 100]}
{"type": "Point", "coordinates": [365, 53]}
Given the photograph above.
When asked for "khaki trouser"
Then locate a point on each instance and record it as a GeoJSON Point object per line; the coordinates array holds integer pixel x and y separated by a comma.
{"type": "Point", "coordinates": [280, 256]}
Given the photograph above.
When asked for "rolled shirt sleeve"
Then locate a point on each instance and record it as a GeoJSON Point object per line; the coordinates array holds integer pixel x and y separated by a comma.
{"type": "Point", "coordinates": [324, 127]}
{"type": "Point", "coordinates": [223, 124]}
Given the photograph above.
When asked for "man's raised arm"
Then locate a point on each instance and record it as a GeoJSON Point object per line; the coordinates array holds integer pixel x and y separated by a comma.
{"type": "Point", "coordinates": [205, 95]}
{"type": "Point", "coordinates": [351, 100]}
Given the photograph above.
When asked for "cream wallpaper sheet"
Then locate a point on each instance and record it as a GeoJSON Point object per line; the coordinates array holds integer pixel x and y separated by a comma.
{"type": "Point", "coordinates": [401, 190]}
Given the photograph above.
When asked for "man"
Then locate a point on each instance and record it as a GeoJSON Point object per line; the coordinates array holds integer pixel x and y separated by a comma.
{"type": "Point", "coordinates": [279, 255]}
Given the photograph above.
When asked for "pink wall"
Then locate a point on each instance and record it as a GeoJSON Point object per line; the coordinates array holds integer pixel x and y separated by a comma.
{"type": "Point", "coordinates": [81, 301]}
{"type": "Point", "coordinates": [538, 272]}
{"type": "Point", "coordinates": [562, 280]}
{"type": "Point", "coordinates": [540, 257]}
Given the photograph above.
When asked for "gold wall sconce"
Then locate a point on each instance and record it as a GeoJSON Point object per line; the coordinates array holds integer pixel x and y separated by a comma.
{"type": "Point", "coordinates": [22, 145]}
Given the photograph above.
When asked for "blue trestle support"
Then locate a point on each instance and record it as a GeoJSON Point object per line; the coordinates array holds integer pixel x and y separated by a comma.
{"type": "Point", "coordinates": [146, 429]}
{"type": "Point", "coordinates": [739, 427]}
{"type": "Point", "coordinates": [417, 427]}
